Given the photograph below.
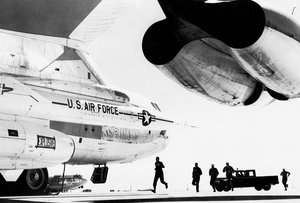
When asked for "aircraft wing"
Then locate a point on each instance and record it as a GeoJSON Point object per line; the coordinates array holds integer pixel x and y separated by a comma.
{"type": "Point", "coordinates": [82, 20]}
{"type": "Point", "coordinates": [100, 19]}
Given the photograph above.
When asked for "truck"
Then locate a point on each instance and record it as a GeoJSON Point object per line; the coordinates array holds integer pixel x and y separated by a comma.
{"type": "Point", "coordinates": [246, 178]}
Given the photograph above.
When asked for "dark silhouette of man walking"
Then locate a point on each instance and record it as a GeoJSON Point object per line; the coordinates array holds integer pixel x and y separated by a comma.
{"type": "Point", "coordinates": [196, 176]}
{"type": "Point", "coordinates": [213, 172]}
{"type": "Point", "coordinates": [285, 174]}
{"type": "Point", "coordinates": [159, 174]}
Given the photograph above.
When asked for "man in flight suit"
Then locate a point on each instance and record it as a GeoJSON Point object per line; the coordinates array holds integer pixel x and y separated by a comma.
{"type": "Point", "coordinates": [213, 172]}
{"type": "Point", "coordinates": [196, 176]}
{"type": "Point", "coordinates": [159, 174]}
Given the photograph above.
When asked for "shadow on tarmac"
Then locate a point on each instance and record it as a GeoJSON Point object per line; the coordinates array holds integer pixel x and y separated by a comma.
{"type": "Point", "coordinates": [210, 198]}
{"type": "Point", "coordinates": [154, 198]}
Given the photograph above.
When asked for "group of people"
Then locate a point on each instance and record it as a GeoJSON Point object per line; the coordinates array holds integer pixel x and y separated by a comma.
{"type": "Point", "coordinates": [213, 173]}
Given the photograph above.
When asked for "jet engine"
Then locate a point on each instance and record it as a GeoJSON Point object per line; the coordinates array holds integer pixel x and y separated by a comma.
{"type": "Point", "coordinates": [226, 51]}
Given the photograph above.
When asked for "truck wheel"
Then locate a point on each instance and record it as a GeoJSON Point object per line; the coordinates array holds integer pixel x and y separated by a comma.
{"type": "Point", "coordinates": [267, 187]}
{"type": "Point", "coordinates": [258, 187]}
{"type": "Point", "coordinates": [219, 188]}
{"type": "Point", "coordinates": [226, 188]}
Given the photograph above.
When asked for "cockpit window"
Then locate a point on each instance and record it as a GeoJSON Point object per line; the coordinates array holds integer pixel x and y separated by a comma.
{"type": "Point", "coordinates": [123, 97]}
{"type": "Point", "coordinates": [155, 106]}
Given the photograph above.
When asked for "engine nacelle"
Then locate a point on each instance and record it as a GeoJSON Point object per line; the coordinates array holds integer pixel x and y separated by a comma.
{"type": "Point", "coordinates": [204, 46]}
{"type": "Point", "coordinates": [30, 145]}
{"type": "Point", "coordinates": [237, 24]}
{"type": "Point", "coordinates": [207, 70]}
{"type": "Point", "coordinates": [277, 65]}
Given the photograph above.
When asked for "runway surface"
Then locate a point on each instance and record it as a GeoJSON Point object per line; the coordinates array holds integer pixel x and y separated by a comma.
{"type": "Point", "coordinates": [150, 197]}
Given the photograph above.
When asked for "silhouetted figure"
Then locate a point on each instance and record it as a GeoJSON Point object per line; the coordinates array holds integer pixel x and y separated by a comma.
{"type": "Point", "coordinates": [228, 171]}
{"type": "Point", "coordinates": [285, 174]}
{"type": "Point", "coordinates": [159, 174]}
{"type": "Point", "coordinates": [213, 172]}
{"type": "Point", "coordinates": [196, 176]}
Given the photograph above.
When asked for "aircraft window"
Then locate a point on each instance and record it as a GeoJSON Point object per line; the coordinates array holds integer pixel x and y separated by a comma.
{"type": "Point", "coordinates": [80, 140]}
{"type": "Point", "coordinates": [122, 95]}
{"type": "Point", "coordinates": [13, 133]}
{"type": "Point", "coordinates": [89, 76]}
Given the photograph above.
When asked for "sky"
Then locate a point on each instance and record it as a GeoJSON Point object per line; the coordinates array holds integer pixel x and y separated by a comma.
{"type": "Point", "coordinates": [264, 138]}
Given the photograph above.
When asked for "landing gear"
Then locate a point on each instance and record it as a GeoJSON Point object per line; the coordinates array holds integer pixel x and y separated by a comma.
{"type": "Point", "coordinates": [30, 182]}
{"type": "Point", "coordinates": [33, 181]}
{"type": "Point", "coordinates": [100, 174]}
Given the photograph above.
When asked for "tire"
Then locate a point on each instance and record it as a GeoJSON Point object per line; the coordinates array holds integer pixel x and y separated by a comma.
{"type": "Point", "coordinates": [267, 187]}
{"type": "Point", "coordinates": [258, 187]}
{"type": "Point", "coordinates": [33, 182]}
{"type": "Point", "coordinates": [219, 188]}
{"type": "Point", "coordinates": [226, 188]}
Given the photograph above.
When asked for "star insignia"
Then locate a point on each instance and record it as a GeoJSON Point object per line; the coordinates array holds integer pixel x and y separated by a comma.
{"type": "Point", "coordinates": [4, 89]}
{"type": "Point", "coordinates": [146, 117]}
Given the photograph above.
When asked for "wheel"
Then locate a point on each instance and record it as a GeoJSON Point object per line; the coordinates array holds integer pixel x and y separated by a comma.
{"type": "Point", "coordinates": [219, 188]}
{"type": "Point", "coordinates": [258, 187]}
{"type": "Point", "coordinates": [33, 181]}
{"type": "Point", "coordinates": [226, 188]}
{"type": "Point", "coordinates": [267, 187]}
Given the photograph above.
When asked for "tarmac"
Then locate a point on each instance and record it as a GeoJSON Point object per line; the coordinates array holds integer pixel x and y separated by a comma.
{"type": "Point", "coordinates": [146, 196]}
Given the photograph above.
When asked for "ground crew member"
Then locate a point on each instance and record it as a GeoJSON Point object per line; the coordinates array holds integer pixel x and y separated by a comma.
{"type": "Point", "coordinates": [159, 174]}
{"type": "Point", "coordinates": [228, 170]}
{"type": "Point", "coordinates": [285, 174]}
{"type": "Point", "coordinates": [213, 172]}
{"type": "Point", "coordinates": [197, 172]}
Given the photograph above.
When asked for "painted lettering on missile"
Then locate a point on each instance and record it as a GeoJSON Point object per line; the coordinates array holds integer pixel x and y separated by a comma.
{"type": "Point", "coordinates": [146, 117]}
{"type": "Point", "coordinates": [45, 142]}
{"type": "Point", "coordinates": [4, 88]}
{"type": "Point", "coordinates": [92, 107]}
